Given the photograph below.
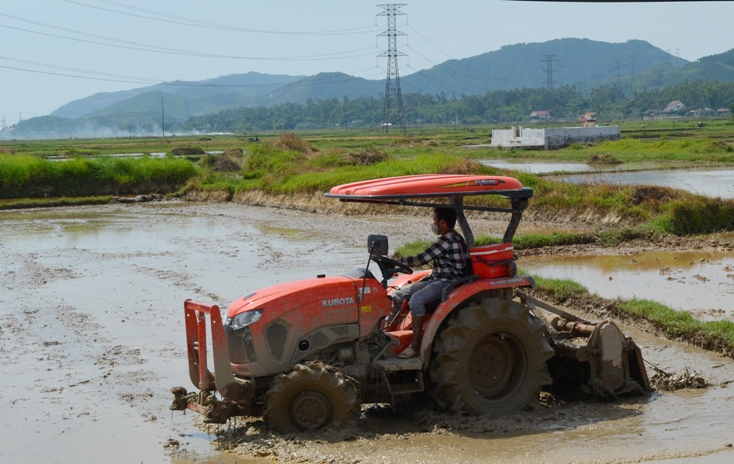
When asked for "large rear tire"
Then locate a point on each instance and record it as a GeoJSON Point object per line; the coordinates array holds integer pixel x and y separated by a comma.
{"type": "Point", "coordinates": [310, 397]}
{"type": "Point", "coordinates": [491, 358]}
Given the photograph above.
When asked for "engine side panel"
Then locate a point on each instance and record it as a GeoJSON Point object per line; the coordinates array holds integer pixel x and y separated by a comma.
{"type": "Point", "coordinates": [290, 312]}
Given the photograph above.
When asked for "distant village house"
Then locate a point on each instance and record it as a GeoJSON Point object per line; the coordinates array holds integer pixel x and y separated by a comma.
{"type": "Point", "coordinates": [539, 116]}
{"type": "Point", "coordinates": [726, 112]}
{"type": "Point", "coordinates": [673, 107]}
{"type": "Point", "coordinates": [698, 112]}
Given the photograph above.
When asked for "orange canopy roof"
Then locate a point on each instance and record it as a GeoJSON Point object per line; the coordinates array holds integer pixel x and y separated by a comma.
{"type": "Point", "coordinates": [430, 185]}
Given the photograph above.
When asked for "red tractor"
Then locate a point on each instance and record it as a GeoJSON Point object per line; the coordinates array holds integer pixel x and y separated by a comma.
{"type": "Point", "coordinates": [306, 354]}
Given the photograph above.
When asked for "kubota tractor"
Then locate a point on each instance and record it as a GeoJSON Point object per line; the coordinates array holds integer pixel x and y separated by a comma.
{"type": "Point", "coordinates": [306, 354]}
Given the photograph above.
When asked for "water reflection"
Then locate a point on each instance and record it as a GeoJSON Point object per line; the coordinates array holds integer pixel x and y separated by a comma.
{"type": "Point", "coordinates": [698, 282]}
{"type": "Point", "coordinates": [545, 167]}
{"type": "Point", "coordinates": [709, 182]}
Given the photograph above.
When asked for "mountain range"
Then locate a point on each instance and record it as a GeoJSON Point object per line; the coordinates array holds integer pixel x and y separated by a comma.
{"type": "Point", "coordinates": [581, 63]}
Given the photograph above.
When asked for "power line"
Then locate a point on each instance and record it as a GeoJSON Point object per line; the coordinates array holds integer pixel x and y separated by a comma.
{"type": "Point", "coordinates": [173, 51]}
{"type": "Point", "coordinates": [442, 67]}
{"type": "Point", "coordinates": [632, 71]}
{"type": "Point", "coordinates": [108, 77]}
{"type": "Point", "coordinates": [208, 25]}
{"type": "Point", "coordinates": [392, 81]}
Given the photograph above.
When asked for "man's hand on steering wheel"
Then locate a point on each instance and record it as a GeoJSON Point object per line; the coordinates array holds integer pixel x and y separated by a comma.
{"type": "Point", "coordinates": [384, 262]}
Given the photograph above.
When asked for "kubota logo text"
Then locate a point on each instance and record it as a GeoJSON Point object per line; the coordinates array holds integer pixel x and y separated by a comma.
{"type": "Point", "coordinates": [337, 302]}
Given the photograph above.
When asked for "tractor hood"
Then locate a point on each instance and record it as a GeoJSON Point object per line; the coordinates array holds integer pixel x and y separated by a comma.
{"type": "Point", "coordinates": [325, 295]}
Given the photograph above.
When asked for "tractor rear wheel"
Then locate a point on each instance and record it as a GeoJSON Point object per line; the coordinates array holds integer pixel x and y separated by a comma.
{"type": "Point", "coordinates": [491, 358]}
{"type": "Point", "coordinates": [309, 397]}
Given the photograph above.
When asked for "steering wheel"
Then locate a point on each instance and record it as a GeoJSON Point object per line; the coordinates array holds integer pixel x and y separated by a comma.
{"type": "Point", "coordinates": [385, 261]}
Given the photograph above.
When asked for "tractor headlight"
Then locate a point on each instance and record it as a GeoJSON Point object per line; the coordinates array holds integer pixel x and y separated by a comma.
{"type": "Point", "coordinates": [244, 319]}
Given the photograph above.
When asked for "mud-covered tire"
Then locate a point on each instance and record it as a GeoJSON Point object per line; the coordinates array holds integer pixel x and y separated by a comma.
{"type": "Point", "coordinates": [490, 358]}
{"type": "Point", "coordinates": [310, 397]}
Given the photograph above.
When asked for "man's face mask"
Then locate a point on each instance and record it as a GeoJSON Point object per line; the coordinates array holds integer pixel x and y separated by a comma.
{"type": "Point", "coordinates": [435, 229]}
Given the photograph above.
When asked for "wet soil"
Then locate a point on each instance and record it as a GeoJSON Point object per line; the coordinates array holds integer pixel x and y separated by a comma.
{"type": "Point", "coordinates": [92, 339]}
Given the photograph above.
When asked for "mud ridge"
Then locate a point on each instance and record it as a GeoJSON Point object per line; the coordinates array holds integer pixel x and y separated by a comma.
{"type": "Point", "coordinates": [317, 203]}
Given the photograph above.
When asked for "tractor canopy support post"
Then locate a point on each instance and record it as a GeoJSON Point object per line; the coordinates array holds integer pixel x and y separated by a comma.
{"type": "Point", "coordinates": [518, 207]}
{"type": "Point", "coordinates": [458, 202]}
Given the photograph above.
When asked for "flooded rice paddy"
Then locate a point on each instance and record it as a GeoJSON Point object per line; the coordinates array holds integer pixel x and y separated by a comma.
{"type": "Point", "coordinates": [545, 166]}
{"type": "Point", "coordinates": [92, 339]}
{"type": "Point", "coordinates": [698, 282]}
{"type": "Point", "coordinates": [712, 182]}
{"type": "Point", "coordinates": [709, 182]}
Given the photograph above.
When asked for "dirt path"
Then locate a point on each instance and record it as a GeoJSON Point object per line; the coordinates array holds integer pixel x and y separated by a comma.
{"type": "Point", "coordinates": [91, 340]}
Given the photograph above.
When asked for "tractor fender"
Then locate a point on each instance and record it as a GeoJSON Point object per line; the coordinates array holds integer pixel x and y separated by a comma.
{"type": "Point", "coordinates": [459, 296]}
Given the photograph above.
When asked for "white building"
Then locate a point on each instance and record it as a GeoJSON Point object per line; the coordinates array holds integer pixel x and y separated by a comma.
{"type": "Point", "coordinates": [550, 138]}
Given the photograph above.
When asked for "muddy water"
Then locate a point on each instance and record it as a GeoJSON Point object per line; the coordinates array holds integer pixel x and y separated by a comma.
{"type": "Point", "coordinates": [708, 182]}
{"type": "Point", "coordinates": [91, 318]}
{"type": "Point", "coordinates": [545, 167]}
{"type": "Point", "coordinates": [699, 282]}
{"type": "Point", "coordinates": [714, 182]}
{"type": "Point", "coordinates": [91, 340]}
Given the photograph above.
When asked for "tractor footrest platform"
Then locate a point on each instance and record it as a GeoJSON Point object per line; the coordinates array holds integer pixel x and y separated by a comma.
{"type": "Point", "coordinates": [402, 376]}
{"type": "Point", "coordinates": [399, 364]}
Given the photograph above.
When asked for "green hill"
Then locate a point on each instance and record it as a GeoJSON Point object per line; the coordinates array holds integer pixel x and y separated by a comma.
{"type": "Point", "coordinates": [247, 86]}
{"type": "Point", "coordinates": [576, 62]}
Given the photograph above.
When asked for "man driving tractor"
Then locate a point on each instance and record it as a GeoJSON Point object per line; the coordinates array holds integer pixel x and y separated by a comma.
{"type": "Point", "coordinates": [448, 254]}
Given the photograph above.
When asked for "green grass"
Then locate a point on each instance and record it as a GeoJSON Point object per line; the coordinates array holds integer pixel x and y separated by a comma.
{"type": "Point", "coordinates": [53, 202]}
{"type": "Point", "coordinates": [560, 289]}
{"type": "Point", "coordinates": [24, 176]}
{"type": "Point", "coordinates": [319, 160]}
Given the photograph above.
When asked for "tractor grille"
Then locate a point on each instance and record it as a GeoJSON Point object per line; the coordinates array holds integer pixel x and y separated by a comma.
{"type": "Point", "coordinates": [276, 335]}
{"type": "Point", "coordinates": [239, 342]}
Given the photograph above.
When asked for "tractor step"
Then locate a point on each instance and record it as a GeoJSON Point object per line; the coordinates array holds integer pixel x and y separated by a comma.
{"type": "Point", "coordinates": [402, 376]}
{"type": "Point", "coordinates": [398, 364]}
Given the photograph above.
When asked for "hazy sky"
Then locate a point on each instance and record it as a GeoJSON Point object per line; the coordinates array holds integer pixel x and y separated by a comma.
{"type": "Point", "coordinates": [56, 51]}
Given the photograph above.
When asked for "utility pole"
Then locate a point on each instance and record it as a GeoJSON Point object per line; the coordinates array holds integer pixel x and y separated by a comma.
{"type": "Point", "coordinates": [549, 69]}
{"type": "Point", "coordinates": [618, 82]}
{"type": "Point", "coordinates": [393, 95]}
{"type": "Point", "coordinates": [632, 71]}
{"type": "Point", "coordinates": [163, 119]}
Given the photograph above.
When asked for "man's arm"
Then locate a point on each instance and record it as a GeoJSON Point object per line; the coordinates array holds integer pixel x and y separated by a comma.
{"type": "Point", "coordinates": [440, 247]}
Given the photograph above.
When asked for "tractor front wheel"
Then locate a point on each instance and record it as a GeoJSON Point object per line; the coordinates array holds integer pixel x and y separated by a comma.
{"type": "Point", "coordinates": [491, 358]}
{"type": "Point", "coordinates": [310, 397]}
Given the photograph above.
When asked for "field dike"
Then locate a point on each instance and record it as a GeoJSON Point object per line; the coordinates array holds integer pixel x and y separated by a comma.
{"type": "Point", "coordinates": [317, 203]}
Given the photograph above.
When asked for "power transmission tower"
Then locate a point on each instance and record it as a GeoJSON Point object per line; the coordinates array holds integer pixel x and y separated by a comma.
{"type": "Point", "coordinates": [549, 69]}
{"type": "Point", "coordinates": [163, 119]}
{"type": "Point", "coordinates": [393, 94]}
